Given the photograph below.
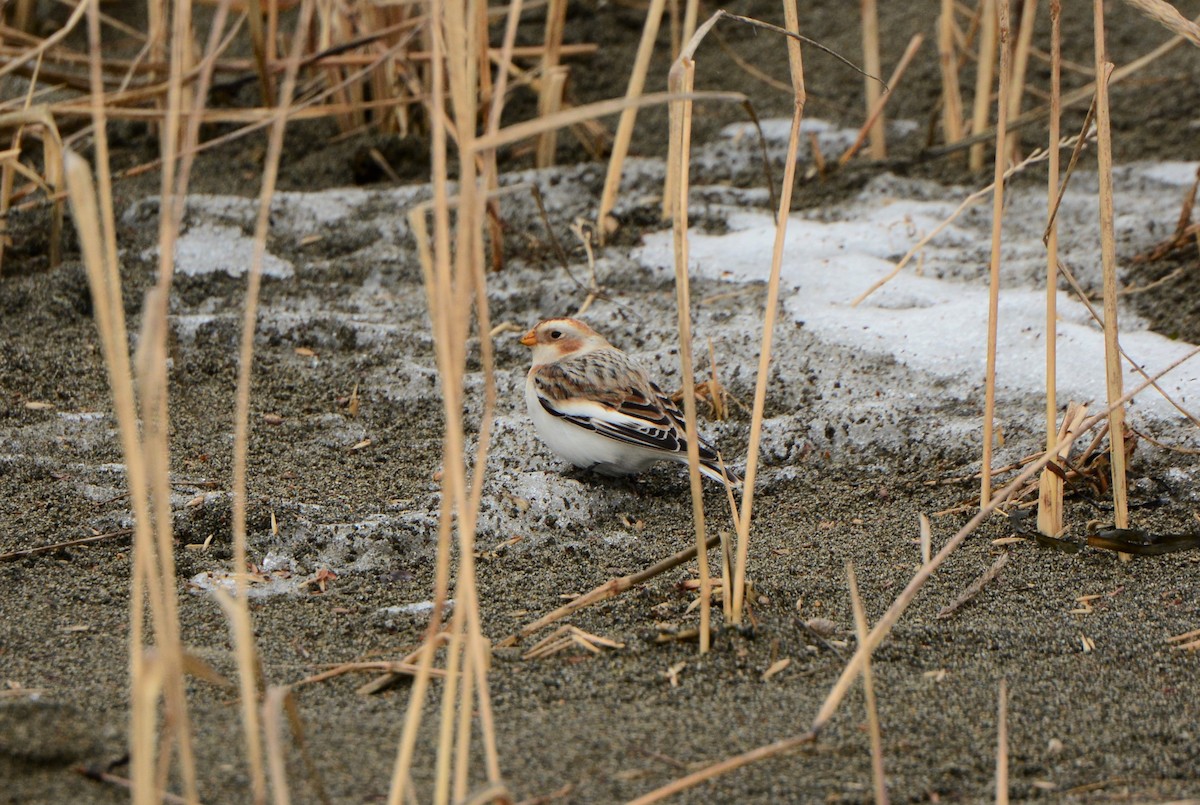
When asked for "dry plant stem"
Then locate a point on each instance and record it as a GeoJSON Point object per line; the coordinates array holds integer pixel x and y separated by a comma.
{"type": "Point", "coordinates": [247, 671]}
{"type": "Point", "coordinates": [876, 111]}
{"type": "Point", "coordinates": [1169, 17]}
{"type": "Point", "coordinates": [609, 589]}
{"type": "Point", "coordinates": [1002, 745]}
{"type": "Point", "coordinates": [153, 559]}
{"type": "Point", "coordinates": [110, 322]}
{"type": "Point", "coordinates": [450, 290]}
{"type": "Point", "coordinates": [49, 42]}
{"type": "Point", "coordinates": [985, 68]}
{"type": "Point", "coordinates": [966, 203]}
{"type": "Point", "coordinates": [1108, 256]}
{"type": "Point", "coordinates": [1050, 492]}
{"type": "Point", "coordinates": [682, 74]}
{"type": "Point", "coordinates": [462, 751]}
{"type": "Point", "coordinates": [989, 406]}
{"type": "Point", "coordinates": [469, 274]}
{"type": "Point", "coordinates": [258, 41]}
{"type": "Point", "coordinates": [871, 65]}
{"type": "Point", "coordinates": [445, 744]}
{"type": "Point", "coordinates": [796, 66]}
{"type": "Point", "coordinates": [272, 707]}
{"type": "Point", "coordinates": [1020, 62]}
{"type": "Point", "coordinates": [1083, 93]}
{"type": "Point", "coordinates": [885, 624]}
{"type": "Point", "coordinates": [637, 81]}
{"type": "Point", "coordinates": [550, 98]}
{"type": "Point", "coordinates": [725, 766]}
{"type": "Point", "coordinates": [862, 629]}
{"type": "Point", "coordinates": [952, 116]}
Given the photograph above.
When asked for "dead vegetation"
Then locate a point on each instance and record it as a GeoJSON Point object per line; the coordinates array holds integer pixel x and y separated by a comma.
{"type": "Point", "coordinates": [444, 71]}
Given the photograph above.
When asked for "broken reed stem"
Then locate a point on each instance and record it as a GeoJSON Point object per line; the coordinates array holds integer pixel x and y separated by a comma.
{"type": "Point", "coordinates": [620, 148]}
{"type": "Point", "coordinates": [1002, 745]}
{"type": "Point", "coordinates": [1108, 256]}
{"type": "Point", "coordinates": [796, 65]}
{"type": "Point", "coordinates": [872, 68]}
{"type": "Point", "coordinates": [862, 629]}
{"type": "Point", "coordinates": [609, 589]}
{"type": "Point", "coordinates": [876, 111]}
{"type": "Point", "coordinates": [1050, 486]}
{"type": "Point", "coordinates": [989, 406]}
{"type": "Point", "coordinates": [952, 115]}
{"type": "Point", "coordinates": [247, 665]}
{"type": "Point", "coordinates": [682, 74]}
{"type": "Point", "coordinates": [985, 69]}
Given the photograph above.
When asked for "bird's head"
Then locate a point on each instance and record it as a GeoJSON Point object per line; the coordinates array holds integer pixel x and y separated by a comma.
{"type": "Point", "coordinates": [554, 339]}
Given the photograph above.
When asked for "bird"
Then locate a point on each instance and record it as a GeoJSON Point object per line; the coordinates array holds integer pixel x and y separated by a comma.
{"type": "Point", "coordinates": [597, 408]}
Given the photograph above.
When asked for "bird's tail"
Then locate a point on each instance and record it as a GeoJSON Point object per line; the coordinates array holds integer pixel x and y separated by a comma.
{"type": "Point", "coordinates": [720, 472]}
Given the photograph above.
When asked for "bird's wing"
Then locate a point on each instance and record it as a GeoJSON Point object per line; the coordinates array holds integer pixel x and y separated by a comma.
{"type": "Point", "coordinates": [606, 392]}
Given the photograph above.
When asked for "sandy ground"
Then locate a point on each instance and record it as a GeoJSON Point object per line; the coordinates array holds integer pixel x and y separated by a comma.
{"type": "Point", "coordinates": [845, 476]}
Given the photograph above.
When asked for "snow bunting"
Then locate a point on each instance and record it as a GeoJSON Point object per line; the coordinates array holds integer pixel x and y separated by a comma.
{"type": "Point", "coordinates": [597, 408]}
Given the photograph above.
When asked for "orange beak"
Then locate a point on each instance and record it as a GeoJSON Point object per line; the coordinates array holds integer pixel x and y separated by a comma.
{"type": "Point", "coordinates": [529, 339]}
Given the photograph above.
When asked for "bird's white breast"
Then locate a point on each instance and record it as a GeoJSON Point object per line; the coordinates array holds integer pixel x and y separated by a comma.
{"type": "Point", "coordinates": [583, 447]}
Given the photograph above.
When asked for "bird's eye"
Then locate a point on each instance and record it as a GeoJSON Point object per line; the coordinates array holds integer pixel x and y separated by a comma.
{"type": "Point", "coordinates": [556, 334]}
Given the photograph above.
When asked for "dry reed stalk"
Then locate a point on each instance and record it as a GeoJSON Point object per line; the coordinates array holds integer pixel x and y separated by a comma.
{"type": "Point", "coordinates": [876, 112]}
{"type": "Point", "coordinates": [258, 42]}
{"type": "Point", "coordinates": [554, 78]}
{"type": "Point", "coordinates": [862, 629]}
{"type": "Point", "coordinates": [985, 71]}
{"type": "Point", "coordinates": [146, 677]}
{"type": "Point", "coordinates": [435, 264]}
{"type": "Point", "coordinates": [952, 114]}
{"type": "Point", "coordinates": [157, 572]}
{"type": "Point", "coordinates": [796, 67]}
{"type": "Point", "coordinates": [247, 666]}
{"type": "Point", "coordinates": [610, 589]}
{"type": "Point", "coordinates": [637, 81]}
{"type": "Point", "coordinates": [445, 743]}
{"type": "Point", "coordinates": [1084, 93]}
{"type": "Point", "coordinates": [272, 716]}
{"type": "Point", "coordinates": [452, 287]}
{"type": "Point", "coordinates": [681, 81]}
{"type": "Point", "coordinates": [1108, 256]}
{"type": "Point", "coordinates": [472, 276]}
{"type": "Point", "coordinates": [884, 625]}
{"type": "Point", "coordinates": [1169, 17]}
{"type": "Point", "coordinates": [871, 65]}
{"type": "Point", "coordinates": [42, 122]}
{"type": "Point", "coordinates": [1002, 745]}
{"type": "Point", "coordinates": [1032, 159]}
{"type": "Point", "coordinates": [989, 406]}
{"type": "Point", "coordinates": [1020, 63]}
{"type": "Point", "coordinates": [49, 42]}
{"type": "Point", "coordinates": [1050, 486]}
{"type": "Point", "coordinates": [926, 538]}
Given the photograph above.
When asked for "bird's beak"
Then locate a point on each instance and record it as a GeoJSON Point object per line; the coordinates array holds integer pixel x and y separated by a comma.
{"type": "Point", "coordinates": [529, 339]}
